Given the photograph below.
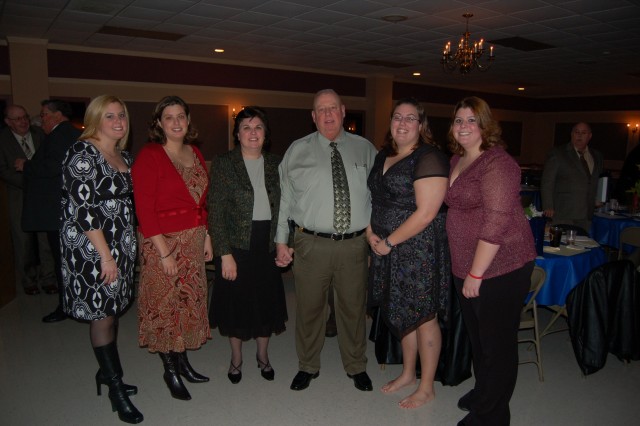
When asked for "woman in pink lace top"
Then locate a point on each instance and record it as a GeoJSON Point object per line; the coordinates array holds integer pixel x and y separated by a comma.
{"type": "Point", "coordinates": [492, 256]}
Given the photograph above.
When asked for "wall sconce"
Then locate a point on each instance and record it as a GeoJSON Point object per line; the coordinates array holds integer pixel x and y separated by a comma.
{"type": "Point", "coordinates": [634, 130]}
{"type": "Point", "coordinates": [234, 115]}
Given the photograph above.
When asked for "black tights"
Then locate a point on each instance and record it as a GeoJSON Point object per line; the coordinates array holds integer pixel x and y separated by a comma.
{"type": "Point", "coordinates": [104, 331]}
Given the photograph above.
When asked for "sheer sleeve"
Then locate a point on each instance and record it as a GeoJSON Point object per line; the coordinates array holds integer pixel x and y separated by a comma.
{"type": "Point", "coordinates": [500, 192]}
{"type": "Point", "coordinates": [431, 163]}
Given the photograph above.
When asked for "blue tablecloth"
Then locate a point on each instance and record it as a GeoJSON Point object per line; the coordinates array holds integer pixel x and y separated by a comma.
{"type": "Point", "coordinates": [565, 272]}
{"type": "Point", "coordinates": [605, 229]}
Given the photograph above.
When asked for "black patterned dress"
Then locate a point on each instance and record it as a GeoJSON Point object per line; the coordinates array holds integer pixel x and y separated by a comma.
{"type": "Point", "coordinates": [410, 285]}
{"type": "Point", "coordinates": [96, 196]}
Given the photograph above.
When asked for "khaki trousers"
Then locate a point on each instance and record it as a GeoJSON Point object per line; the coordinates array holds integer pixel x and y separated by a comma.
{"type": "Point", "coordinates": [319, 263]}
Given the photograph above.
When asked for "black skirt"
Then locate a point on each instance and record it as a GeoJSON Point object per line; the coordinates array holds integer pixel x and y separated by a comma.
{"type": "Point", "coordinates": [254, 304]}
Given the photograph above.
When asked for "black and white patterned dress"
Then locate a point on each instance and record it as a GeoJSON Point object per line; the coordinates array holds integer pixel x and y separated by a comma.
{"type": "Point", "coordinates": [96, 196]}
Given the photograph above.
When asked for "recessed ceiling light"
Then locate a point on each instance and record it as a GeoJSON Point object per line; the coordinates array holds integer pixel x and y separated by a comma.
{"type": "Point", "coordinates": [394, 18]}
{"type": "Point", "coordinates": [218, 50]}
{"type": "Point", "coordinates": [416, 74]}
{"type": "Point", "coordinates": [521, 89]}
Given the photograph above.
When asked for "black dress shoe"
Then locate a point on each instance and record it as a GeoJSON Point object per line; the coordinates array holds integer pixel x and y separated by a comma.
{"type": "Point", "coordinates": [50, 289]}
{"type": "Point", "coordinates": [302, 380]}
{"type": "Point", "coordinates": [361, 381]}
{"type": "Point", "coordinates": [31, 291]}
{"type": "Point", "coordinates": [55, 316]}
{"type": "Point", "coordinates": [464, 403]}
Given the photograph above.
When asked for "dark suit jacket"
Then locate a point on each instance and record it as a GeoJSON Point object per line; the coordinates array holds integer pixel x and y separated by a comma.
{"type": "Point", "coordinates": [231, 200]}
{"type": "Point", "coordinates": [43, 180]}
{"type": "Point", "coordinates": [10, 151]}
{"type": "Point", "coordinates": [566, 188]}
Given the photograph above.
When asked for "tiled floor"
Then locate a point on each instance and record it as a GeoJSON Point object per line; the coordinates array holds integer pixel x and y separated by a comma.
{"type": "Point", "coordinates": [47, 371]}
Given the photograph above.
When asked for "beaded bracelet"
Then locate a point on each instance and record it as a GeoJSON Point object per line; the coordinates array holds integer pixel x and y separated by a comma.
{"type": "Point", "coordinates": [388, 244]}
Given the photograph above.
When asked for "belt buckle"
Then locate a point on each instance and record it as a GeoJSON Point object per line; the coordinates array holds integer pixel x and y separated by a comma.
{"type": "Point", "coordinates": [337, 237]}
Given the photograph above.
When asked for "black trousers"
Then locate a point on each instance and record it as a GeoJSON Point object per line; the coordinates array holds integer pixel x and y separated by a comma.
{"type": "Point", "coordinates": [54, 242]}
{"type": "Point", "coordinates": [492, 321]}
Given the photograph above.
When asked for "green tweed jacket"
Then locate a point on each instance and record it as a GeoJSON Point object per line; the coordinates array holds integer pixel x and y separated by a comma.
{"type": "Point", "coordinates": [230, 201]}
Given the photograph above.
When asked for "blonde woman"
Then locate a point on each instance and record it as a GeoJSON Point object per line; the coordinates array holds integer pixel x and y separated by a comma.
{"type": "Point", "coordinates": [98, 240]}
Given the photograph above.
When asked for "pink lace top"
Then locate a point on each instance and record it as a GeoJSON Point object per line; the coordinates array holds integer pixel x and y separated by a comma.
{"type": "Point", "coordinates": [484, 204]}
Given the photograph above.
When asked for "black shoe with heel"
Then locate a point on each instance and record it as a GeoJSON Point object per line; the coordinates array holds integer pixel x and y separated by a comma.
{"type": "Point", "coordinates": [102, 380]}
{"type": "Point", "coordinates": [111, 373]}
{"type": "Point", "coordinates": [235, 375]}
{"type": "Point", "coordinates": [186, 370]}
{"type": "Point", "coordinates": [266, 370]}
{"type": "Point", "coordinates": [172, 377]}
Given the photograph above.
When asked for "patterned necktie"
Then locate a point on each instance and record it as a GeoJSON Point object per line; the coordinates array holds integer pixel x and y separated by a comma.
{"type": "Point", "coordinates": [25, 148]}
{"type": "Point", "coordinates": [585, 165]}
{"type": "Point", "coordinates": [341, 200]}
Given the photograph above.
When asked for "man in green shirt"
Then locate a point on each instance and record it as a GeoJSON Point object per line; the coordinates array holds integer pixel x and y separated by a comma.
{"type": "Point", "coordinates": [330, 246]}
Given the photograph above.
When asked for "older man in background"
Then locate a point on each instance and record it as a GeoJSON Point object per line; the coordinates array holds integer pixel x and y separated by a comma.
{"type": "Point", "coordinates": [31, 252]}
{"type": "Point", "coordinates": [570, 180]}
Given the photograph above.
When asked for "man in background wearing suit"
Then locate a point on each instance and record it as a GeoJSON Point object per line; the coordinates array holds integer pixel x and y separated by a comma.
{"type": "Point", "coordinates": [570, 180]}
{"type": "Point", "coordinates": [43, 184]}
{"type": "Point", "coordinates": [31, 253]}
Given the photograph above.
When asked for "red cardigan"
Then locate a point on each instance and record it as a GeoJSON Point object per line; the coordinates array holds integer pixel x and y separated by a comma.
{"type": "Point", "coordinates": [163, 202]}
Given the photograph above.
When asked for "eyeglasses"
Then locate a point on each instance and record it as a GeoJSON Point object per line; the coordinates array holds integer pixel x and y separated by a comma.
{"type": "Point", "coordinates": [409, 119]}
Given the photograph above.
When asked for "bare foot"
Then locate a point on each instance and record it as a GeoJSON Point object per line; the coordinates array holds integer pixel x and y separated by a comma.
{"type": "Point", "coordinates": [397, 384]}
{"type": "Point", "coordinates": [417, 399]}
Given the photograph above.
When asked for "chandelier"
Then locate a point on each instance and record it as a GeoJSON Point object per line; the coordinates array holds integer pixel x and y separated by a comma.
{"type": "Point", "coordinates": [469, 54]}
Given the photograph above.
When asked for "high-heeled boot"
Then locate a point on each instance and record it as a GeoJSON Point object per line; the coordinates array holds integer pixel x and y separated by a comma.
{"type": "Point", "coordinates": [187, 371]}
{"type": "Point", "coordinates": [172, 377]}
{"type": "Point", "coordinates": [102, 380]}
{"type": "Point", "coordinates": [111, 370]}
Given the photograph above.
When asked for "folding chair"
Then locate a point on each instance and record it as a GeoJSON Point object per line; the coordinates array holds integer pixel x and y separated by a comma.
{"type": "Point", "coordinates": [529, 319]}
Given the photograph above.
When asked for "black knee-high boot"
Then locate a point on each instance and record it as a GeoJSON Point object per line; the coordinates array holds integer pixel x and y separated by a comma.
{"type": "Point", "coordinates": [111, 370]}
{"type": "Point", "coordinates": [172, 377]}
{"type": "Point", "coordinates": [101, 379]}
{"type": "Point", "coordinates": [187, 371]}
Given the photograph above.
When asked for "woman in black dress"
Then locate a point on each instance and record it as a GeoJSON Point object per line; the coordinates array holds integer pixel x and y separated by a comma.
{"type": "Point", "coordinates": [410, 270]}
{"type": "Point", "coordinates": [98, 240]}
{"type": "Point", "coordinates": [248, 296]}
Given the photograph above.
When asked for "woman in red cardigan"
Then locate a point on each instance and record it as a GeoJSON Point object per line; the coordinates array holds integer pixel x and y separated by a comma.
{"type": "Point", "coordinates": [170, 184]}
